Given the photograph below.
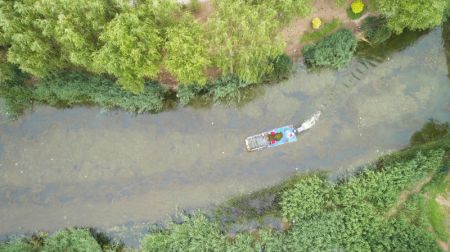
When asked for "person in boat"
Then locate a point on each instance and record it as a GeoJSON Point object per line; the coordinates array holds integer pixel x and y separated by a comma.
{"type": "Point", "coordinates": [275, 137]}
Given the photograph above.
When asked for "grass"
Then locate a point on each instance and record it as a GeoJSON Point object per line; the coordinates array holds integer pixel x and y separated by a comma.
{"type": "Point", "coordinates": [354, 16]}
{"type": "Point", "coordinates": [437, 219]}
{"type": "Point", "coordinates": [325, 30]}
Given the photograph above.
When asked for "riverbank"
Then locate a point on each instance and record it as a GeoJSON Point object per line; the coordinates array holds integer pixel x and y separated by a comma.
{"type": "Point", "coordinates": [19, 88]}
{"type": "Point", "coordinates": [387, 202]}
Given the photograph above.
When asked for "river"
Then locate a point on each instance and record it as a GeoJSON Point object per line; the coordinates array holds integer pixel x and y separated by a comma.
{"type": "Point", "coordinates": [85, 166]}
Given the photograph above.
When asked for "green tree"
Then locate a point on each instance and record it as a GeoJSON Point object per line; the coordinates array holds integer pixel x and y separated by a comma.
{"type": "Point", "coordinates": [132, 49]}
{"type": "Point", "coordinates": [71, 240]}
{"type": "Point", "coordinates": [75, 26]}
{"type": "Point", "coordinates": [412, 14]}
{"type": "Point", "coordinates": [29, 47]}
{"type": "Point", "coordinates": [187, 52]}
{"type": "Point", "coordinates": [243, 39]}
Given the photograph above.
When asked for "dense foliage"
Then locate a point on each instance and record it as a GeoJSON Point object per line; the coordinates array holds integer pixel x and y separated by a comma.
{"type": "Point", "coordinates": [187, 54]}
{"type": "Point", "coordinates": [375, 29]}
{"type": "Point", "coordinates": [131, 50]}
{"type": "Point", "coordinates": [67, 89]}
{"type": "Point", "coordinates": [412, 14]}
{"type": "Point", "coordinates": [243, 39]}
{"type": "Point", "coordinates": [71, 240]}
{"type": "Point", "coordinates": [334, 51]}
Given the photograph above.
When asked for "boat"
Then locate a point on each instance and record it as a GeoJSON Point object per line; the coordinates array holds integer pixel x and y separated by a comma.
{"type": "Point", "coordinates": [279, 136]}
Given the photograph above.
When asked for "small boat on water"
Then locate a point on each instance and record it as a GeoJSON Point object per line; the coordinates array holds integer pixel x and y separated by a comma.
{"type": "Point", "coordinates": [279, 136]}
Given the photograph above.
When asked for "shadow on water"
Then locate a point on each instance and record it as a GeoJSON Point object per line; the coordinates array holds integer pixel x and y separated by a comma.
{"type": "Point", "coordinates": [446, 42]}
{"type": "Point", "coordinates": [431, 131]}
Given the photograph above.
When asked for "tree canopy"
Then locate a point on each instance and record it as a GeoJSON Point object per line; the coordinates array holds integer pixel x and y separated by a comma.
{"type": "Point", "coordinates": [412, 14]}
{"type": "Point", "coordinates": [29, 47]}
{"type": "Point", "coordinates": [131, 50]}
{"type": "Point", "coordinates": [243, 38]}
{"type": "Point", "coordinates": [187, 52]}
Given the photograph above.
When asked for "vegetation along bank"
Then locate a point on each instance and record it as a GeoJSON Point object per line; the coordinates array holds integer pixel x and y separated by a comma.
{"type": "Point", "coordinates": [136, 55]}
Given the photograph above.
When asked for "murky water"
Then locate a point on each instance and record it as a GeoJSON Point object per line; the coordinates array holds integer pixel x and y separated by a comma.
{"type": "Point", "coordinates": [86, 166]}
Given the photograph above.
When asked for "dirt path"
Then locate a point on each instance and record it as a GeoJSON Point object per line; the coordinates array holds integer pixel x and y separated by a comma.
{"type": "Point", "coordinates": [406, 194]}
{"type": "Point", "coordinates": [326, 10]}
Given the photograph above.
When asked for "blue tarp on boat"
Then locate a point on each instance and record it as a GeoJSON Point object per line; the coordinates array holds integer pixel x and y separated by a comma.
{"type": "Point", "coordinates": [289, 135]}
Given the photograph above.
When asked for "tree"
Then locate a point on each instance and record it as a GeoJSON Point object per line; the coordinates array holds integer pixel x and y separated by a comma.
{"type": "Point", "coordinates": [131, 50]}
{"type": "Point", "coordinates": [243, 38]}
{"type": "Point", "coordinates": [29, 47]}
{"type": "Point", "coordinates": [71, 240]}
{"type": "Point", "coordinates": [187, 52]}
{"type": "Point", "coordinates": [75, 26]}
{"type": "Point", "coordinates": [412, 14]}
{"type": "Point", "coordinates": [334, 51]}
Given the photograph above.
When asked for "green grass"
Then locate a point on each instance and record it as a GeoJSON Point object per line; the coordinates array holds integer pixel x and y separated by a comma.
{"type": "Point", "coordinates": [437, 219]}
{"type": "Point", "coordinates": [354, 16]}
{"type": "Point", "coordinates": [325, 30]}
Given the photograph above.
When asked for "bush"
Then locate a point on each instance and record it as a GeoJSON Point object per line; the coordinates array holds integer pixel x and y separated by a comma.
{"type": "Point", "coordinates": [71, 240]}
{"type": "Point", "coordinates": [307, 198]}
{"type": "Point", "coordinates": [319, 233]}
{"type": "Point", "coordinates": [187, 92]}
{"type": "Point", "coordinates": [334, 51]}
{"type": "Point", "coordinates": [68, 89]}
{"type": "Point", "coordinates": [381, 189]}
{"type": "Point", "coordinates": [17, 98]}
{"type": "Point", "coordinates": [196, 233]}
{"type": "Point", "coordinates": [15, 246]}
{"type": "Point", "coordinates": [282, 68]}
{"type": "Point", "coordinates": [326, 30]}
{"type": "Point", "coordinates": [375, 29]}
{"type": "Point", "coordinates": [227, 89]}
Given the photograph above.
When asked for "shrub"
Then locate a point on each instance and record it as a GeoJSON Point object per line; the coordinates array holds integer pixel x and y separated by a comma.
{"type": "Point", "coordinates": [319, 233]}
{"type": "Point", "coordinates": [71, 240]}
{"type": "Point", "coordinates": [17, 96]}
{"type": "Point", "coordinates": [316, 22]}
{"type": "Point", "coordinates": [196, 233]}
{"type": "Point", "coordinates": [67, 89]}
{"type": "Point", "coordinates": [187, 92]}
{"type": "Point", "coordinates": [397, 235]}
{"type": "Point", "coordinates": [375, 29]}
{"type": "Point", "coordinates": [308, 197]}
{"type": "Point", "coordinates": [326, 30]}
{"type": "Point", "coordinates": [381, 189]}
{"type": "Point", "coordinates": [227, 89]}
{"type": "Point", "coordinates": [357, 6]}
{"type": "Point", "coordinates": [335, 50]}
{"type": "Point", "coordinates": [282, 68]}
{"type": "Point", "coordinates": [15, 246]}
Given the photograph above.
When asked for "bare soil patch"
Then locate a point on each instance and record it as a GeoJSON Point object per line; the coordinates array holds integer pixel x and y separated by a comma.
{"type": "Point", "coordinates": [206, 10]}
{"type": "Point", "coordinates": [326, 10]}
